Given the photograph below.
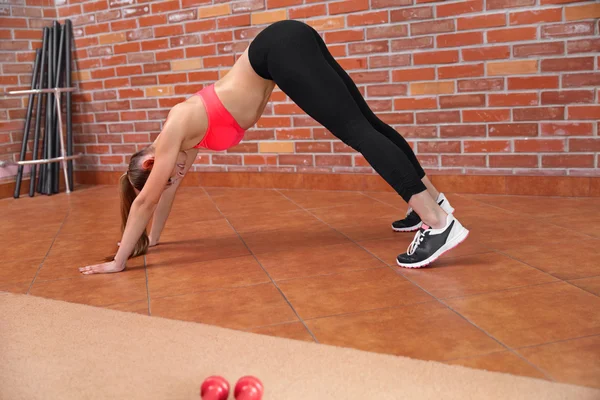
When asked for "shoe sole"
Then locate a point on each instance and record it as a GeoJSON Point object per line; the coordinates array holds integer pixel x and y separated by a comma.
{"type": "Point", "coordinates": [464, 233]}
{"type": "Point", "coordinates": [409, 229]}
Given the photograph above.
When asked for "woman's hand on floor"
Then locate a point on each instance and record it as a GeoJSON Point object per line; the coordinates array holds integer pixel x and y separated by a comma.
{"type": "Point", "coordinates": [104, 268]}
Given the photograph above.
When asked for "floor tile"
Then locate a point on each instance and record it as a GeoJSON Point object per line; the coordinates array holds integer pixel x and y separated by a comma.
{"type": "Point", "coordinates": [506, 362]}
{"type": "Point", "coordinates": [586, 223]}
{"type": "Point", "coordinates": [353, 214]}
{"type": "Point", "coordinates": [324, 199]}
{"type": "Point", "coordinates": [96, 290]}
{"type": "Point", "coordinates": [18, 271]}
{"type": "Point", "coordinates": [295, 330]}
{"type": "Point", "coordinates": [321, 260]}
{"type": "Point", "coordinates": [350, 292]}
{"type": "Point", "coordinates": [574, 361]}
{"type": "Point", "coordinates": [379, 228]}
{"type": "Point", "coordinates": [481, 273]}
{"type": "Point", "coordinates": [285, 240]}
{"type": "Point", "coordinates": [240, 308]}
{"type": "Point", "coordinates": [290, 220]}
{"type": "Point", "coordinates": [174, 279]}
{"type": "Point", "coordinates": [539, 206]}
{"type": "Point", "coordinates": [591, 285]}
{"type": "Point", "coordinates": [17, 287]}
{"type": "Point", "coordinates": [17, 249]}
{"type": "Point", "coordinates": [569, 258]}
{"type": "Point", "coordinates": [138, 307]}
{"type": "Point", "coordinates": [426, 331]}
{"type": "Point", "coordinates": [533, 315]}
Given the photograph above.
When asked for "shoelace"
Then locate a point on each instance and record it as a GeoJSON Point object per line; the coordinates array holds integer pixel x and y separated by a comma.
{"type": "Point", "coordinates": [419, 236]}
{"type": "Point", "coordinates": [410, 210]}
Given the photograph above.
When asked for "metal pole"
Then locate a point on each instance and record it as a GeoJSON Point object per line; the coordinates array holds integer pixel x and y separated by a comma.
{"type": "Point", "coordinates": [57, 83]}
{"type": "Point", "coordinates": [68, 38]}
{"type": "Point", "coordinates": [44, 169]}
{"type": "Point", "coordinates": [38, 115]}
{"type": "Point", "coordinates": [63, 151]}
{"type": "Point", "coordinates": [36, 66]}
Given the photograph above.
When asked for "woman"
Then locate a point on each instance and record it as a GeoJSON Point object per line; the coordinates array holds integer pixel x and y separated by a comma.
{"type": "Point", "coordinates": [291, 55]}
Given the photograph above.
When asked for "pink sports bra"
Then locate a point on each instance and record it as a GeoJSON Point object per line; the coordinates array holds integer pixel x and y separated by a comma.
{"type": "Point", "coordinates": [223, 131]}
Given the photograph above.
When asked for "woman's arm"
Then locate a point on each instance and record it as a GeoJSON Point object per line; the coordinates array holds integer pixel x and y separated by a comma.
{"type": "Point", "coordinates": [165, 203]}
{"type": "Point", "coordinates": [167, 148]}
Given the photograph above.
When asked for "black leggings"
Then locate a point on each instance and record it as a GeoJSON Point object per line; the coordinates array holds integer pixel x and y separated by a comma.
{"type": "Point", "coordinates": [293, 55]}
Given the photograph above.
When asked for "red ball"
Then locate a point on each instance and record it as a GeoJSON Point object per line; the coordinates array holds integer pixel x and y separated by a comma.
{"type": "Point", "coordinates": [248, 388]}
{"type": "Point", "coordinates": [214, 388]}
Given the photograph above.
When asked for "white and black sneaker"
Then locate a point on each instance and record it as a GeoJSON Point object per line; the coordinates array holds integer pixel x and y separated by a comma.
{"type": "Point", "coordinates": [429, 244]}
{"type": "Point", "coordinates": [412, 222]}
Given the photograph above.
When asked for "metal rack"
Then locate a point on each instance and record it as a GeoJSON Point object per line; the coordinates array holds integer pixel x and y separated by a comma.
{"type": "Point", "coordinates": [64, 157]}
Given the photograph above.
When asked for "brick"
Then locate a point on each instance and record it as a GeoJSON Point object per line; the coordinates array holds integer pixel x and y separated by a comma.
{"type": "Point", "coordinates": [216, 37]}
{"type": "Point", "coordinates": [158, 67]}
{"type": "Point", "coordinates": [511, 35]}
{"type": "Point", "coordinates": [337, 160]}
{"type": "Point", "coordinates": [397, 118]}
{"type": "Point", "coordinates": [470, 130]}
{"type": "Point", "coordinates": [568, 161]}
{"type": "Point", "coordinates": [282, 3]}
{"type": "Point", "coordinates": [568, 96]}
{"type": "Point", "coordinates": [235, 21]}
{"type": "Point", "coordinates": [187, 64]}
{"type": "Point", "coordinates": [412, 43]}
{"type": "Point", "coordinates": [585, 11]}
{"type": "Point", "coordinates": [539, 145]}
{"type": "Point", "coordinates": [584, 112]}
{"type": "Point", "coordinates": [438, 147]}
{"type": "Point", "coordinates": [411, 14]}
{"type": "Point", "coordinates": [535, 17]}
{"type": "Point", "coordinates": [296, 160]}
{"type": "Point", "coordinates": [370, 76]}
{"type": "Point", "coordinates": [510, 130]}
{"type": "Point", "coordinates": [583, 46]}
{"type": "Point", "coordinates": [422, 88]}
{"type": "Point", "coordinates": [389, 31]}
{"type": "Point", "coordinates": [152, 20]}
{"type": "Point", "coordinates": [567, 30]}
{"type": "Point", "coordinates": [181, 16]}
{"type": "Point", "coordinates": [294, 133]}
{"type": "Point", "coordinates": [463, 161]}
{"type": "Point", "coordinates": [480, 85]}
{"type": "Point", "coordinates": [417, 103]}
{"type": "Point", "coordinates": [347, 6]}
{"type": "Point", "coordinates": [157, 44]}
{"type": "Point", "coordinates": [481, 22]}
{"type": "Point", "coordinates": [584, 145]}
{"type": "Point", "coordinates": [368, 47]}
{"type": "Point", "coordinates": [513, 161]}
{"type": "Point", "coordinates": [130, 93]}
{"type": "Point", "coordinates": [103, 73]}
{"type": "Point", "coordinates": [538, 114]}
{"type": "Point", "coordinates": [425, 28]}
{"type": "Point", "coordinates": [546, 2]}
{"type": "Point", "coordinates": [460, 71]}
{"type": "Point", "coordinates": [139, 34]}
{"type": "Point", "coordinates": [500, 4]}
{"type": "Point", "coordinates": [512, 67]}
{"type": "Point", "coordinates": [436, 57]}
{"type": "Point", "coordinates": [344, 36]}
{"type": "Point", "coordinates": [202, 76]}
{"type": "Point", "coordinates": [513, 99]}
{"type": "Point", "coordinates": [528, 50]}
{"type": "Point", "coordinates": [486, 115]}
{"type": "Point", "coordinates": [462, 100]}
{"type": "Point", "coordinates": [582, 79]}
{"type": "Point", "coordinates": [313, 147]}
{"type": "Point", "coordinates": [349, 64]}
{"type": "Point", "coordinates": [370, 18]}
{"type": "Point", "coordinates": [274, 122]}
{"type": "Point", "coordinates": [390, 3]}
{"type": "Point", "coordinates": [533, 82]}
{"type": "Point", "coordinates": [276, 147]}
{"type": "Point", "coordinates": [387, 90]}
{"type": "Point", "coordinates": [308, 11]}
{"type": "Point", "coordinates": [89, 7]}
{"type": "Point", "coordinates": [190, 3]}
{"type": "Point", "coordinates": [567, 64]}
{"type": "Point", "coordinates": [422, 132]}
{"type": "Point", "coordinates": [115, 83]}
{"type": "Point", "coordinates": [184, 41]}
{"type": "Point", "coordinates": [267, 17]}
{"type": "Point", "coordinates": [567, 129]}
{"type": "Point", "coordinates": [397, 60]}
{"type": "Point", "coordinates": [436, 117]}
{"type": "Point", "coordinates": [123, 25]}
{"type": "Point", "coordinates": [168, 30]}
{"type": "Point", "coordinates": [486, 53]}
{"type": "Point", "coordinates": [487, 146]}
{"type": "Point", "coordinates": [14, 45]}
{"type": "Point", "coordinates": [21, 34]}
{"type": "Point", "coordinates": [460, 39]}
{"type": "Point", "coordinates": [170, 5]}
{"type": "Point", "coordinates": [200, 26]}
{"type": "Point", "coordinates": [458, 8]}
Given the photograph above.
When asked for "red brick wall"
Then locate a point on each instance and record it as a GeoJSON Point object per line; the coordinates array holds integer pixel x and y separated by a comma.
{"type": "Point", "coordinates": [21, 23]}
{"type": "Point", "coordinates": [491, 87]}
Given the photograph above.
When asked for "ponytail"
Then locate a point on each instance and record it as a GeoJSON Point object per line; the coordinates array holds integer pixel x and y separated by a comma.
{"type": "Point", "coordinates": [127, 197]}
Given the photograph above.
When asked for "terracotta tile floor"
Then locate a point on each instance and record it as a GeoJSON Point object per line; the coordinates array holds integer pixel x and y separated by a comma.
{"type": "Point", "coordinates": [521, 295]}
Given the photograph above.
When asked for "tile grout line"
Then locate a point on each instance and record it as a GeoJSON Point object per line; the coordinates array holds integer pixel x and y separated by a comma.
{"type": "Point", "coordinates": [263, 268]}
{"type": "Point", "coordinates": [440, 301]}
{"type": "Point", "coordinates": [48, 252]}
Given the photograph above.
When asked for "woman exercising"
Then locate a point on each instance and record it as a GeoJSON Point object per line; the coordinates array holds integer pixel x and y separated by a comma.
{"type": "Point", "coordinates": [291, 55]}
